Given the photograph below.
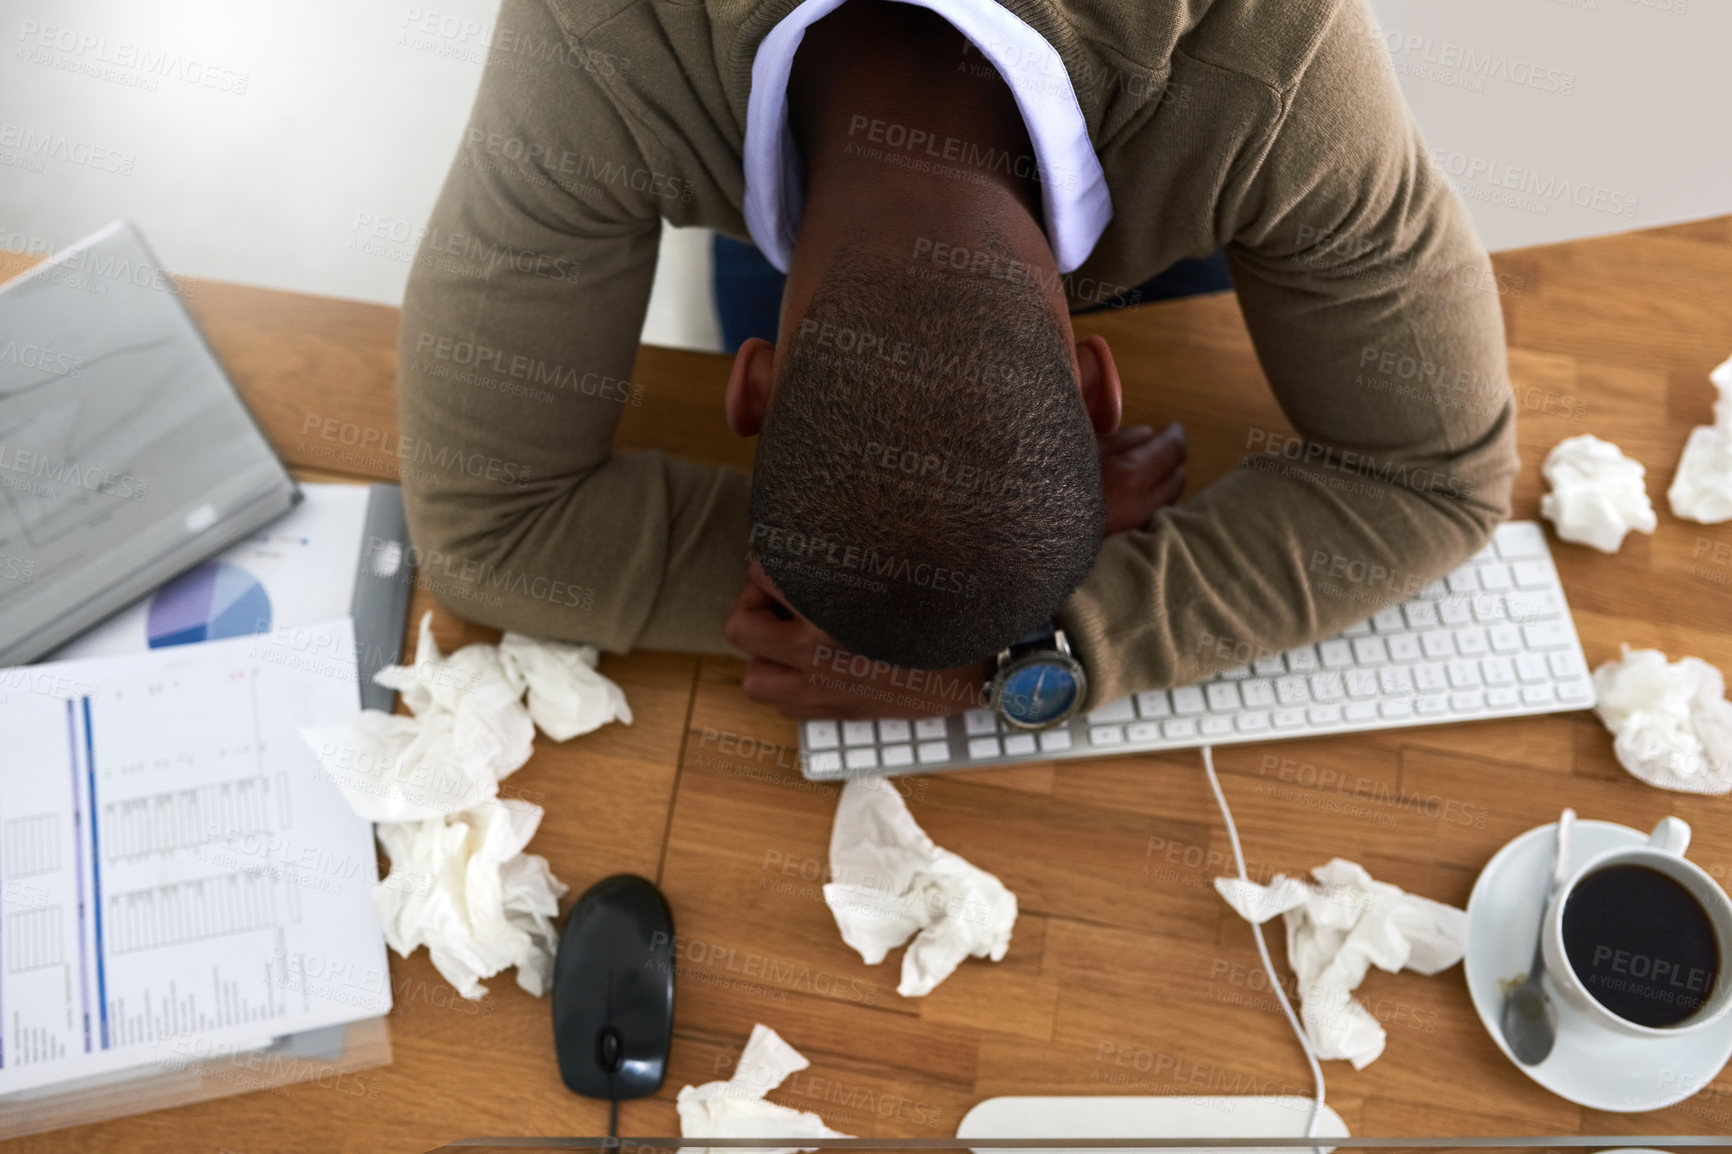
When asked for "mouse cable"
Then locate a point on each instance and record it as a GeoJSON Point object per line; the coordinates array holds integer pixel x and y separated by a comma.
{"type": "Point", "coordinates": [1263, 947]}
{"type": "Point", "coordinates": [613, 1117]}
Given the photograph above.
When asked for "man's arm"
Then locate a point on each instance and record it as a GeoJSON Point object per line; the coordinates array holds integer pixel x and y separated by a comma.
{"type": "Point", "coordinates": [1372, 307]}
{"type": "Point", "coordinates": [519, 330]}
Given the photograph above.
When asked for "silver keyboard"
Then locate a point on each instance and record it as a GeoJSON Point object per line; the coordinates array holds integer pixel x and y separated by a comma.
{"type": "Point", "coordinates": [1493, 639]}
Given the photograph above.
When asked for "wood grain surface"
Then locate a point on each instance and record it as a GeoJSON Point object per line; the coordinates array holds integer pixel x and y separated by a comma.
{"type": "Point", "coordinates": [1126, 973]}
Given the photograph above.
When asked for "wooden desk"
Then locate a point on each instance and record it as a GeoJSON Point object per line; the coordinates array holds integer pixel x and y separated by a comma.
{"type": "Point", "coordinates": [1122, 947]}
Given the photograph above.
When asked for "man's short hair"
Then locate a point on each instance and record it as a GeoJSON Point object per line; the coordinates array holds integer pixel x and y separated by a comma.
{"type": "Point", "coordinates": [927, 487]}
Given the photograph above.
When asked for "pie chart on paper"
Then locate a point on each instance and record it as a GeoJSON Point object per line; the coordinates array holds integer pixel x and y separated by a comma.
{"type": "Point", "coordinates": [208, 602]}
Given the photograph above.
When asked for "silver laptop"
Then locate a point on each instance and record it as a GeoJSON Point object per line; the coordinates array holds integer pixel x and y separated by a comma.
{"type": "Point", "coordinates": [125, 454]}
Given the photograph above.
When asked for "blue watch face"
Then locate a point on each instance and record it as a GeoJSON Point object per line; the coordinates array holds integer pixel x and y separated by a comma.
{"type": "Point", "coordinates": [1038, 694]}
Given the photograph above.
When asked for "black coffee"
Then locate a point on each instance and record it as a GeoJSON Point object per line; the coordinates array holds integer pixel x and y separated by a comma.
{"type": "Point", "coordinates": [1642, 944]}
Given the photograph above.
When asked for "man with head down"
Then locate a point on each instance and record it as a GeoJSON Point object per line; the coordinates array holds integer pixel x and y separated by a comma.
{"type": "Point", "coordinates": [940, 474]}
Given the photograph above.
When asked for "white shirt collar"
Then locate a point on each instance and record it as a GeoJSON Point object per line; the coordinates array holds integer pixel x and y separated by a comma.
{"type": "Point", "coordinates": [1073, 188]}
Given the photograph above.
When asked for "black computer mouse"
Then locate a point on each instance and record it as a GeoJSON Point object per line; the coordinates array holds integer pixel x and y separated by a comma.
{"type": "Point", "coordinates": [613, 990]}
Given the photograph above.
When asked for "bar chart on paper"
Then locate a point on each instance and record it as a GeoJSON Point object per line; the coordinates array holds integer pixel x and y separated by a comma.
{"type": "Point", "coordinates": [179, 880]}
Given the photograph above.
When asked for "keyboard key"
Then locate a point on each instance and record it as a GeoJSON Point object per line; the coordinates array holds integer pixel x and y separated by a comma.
{"type": "Point", "coordinates": [1324, 714]}
{"type": "Point", "coordinates": [1505, 638]}
{"type": "Point", "coordinates": [1361, 683]}
{"type": "Point", "coordinates": [1485, 555]}
{"type": "Point", "coordinates": [931, 751]}
{"type": "Point", "coordinates": [1497, 670]}
{"type": "Point", "coordinates": [1463, 581]}
{"type": "Point", "coordinates": [889, 731]}
{"type": "Point", "coordinates": [1237, 673]}
{"type": "Point", "coordinates": [896, 756]}
{"type": "Point", "coordinates": [1292, 691]}
{"type": "Point", "coordinates": [1328, 687]}
{"type": "Point", "coordinates": [1370, 651]}
{"type": "Point", "coordinates": [1454, 611]}
{"type": "Point", "coordinates": [929, 728]}
{"type": "Point", "coordinates": [1222, 695]}
{"type": "Point", "coordinates": [1188, 699]}
{"type": "Point", "coordinates": [978, 721]}
{"type": "Point", "coordinates": [1488, 608]}
{"type": "Point", "coordinates": [1434, 591]}
{"type": "Point", "coordinates": [1472, 641]}
{"type": "Point", "coordinates": [1395, 680]}
{"type": "Point", "coordinates": [1538, 605]}
{"type": "Point", "coordinates": [1258, 694]}
{"type": "Point", "coordinates": [1336, 653]}
{"type": "Point", "coordinates": [1576, 690]}
{"type": "Point", "coordinates": [824, 761]}
{"type": "Point", "coordinates": [1464, 674]}
{"type": "Point", "coordinates": [1420, 615]}
{"type": "Point", "coordinates": [1430, 677]}
{"type": "Point", "coordinates": [1532, 667]}
{"type": "Point", "coordinates": [1154, 704]}
{"type": "Point", "coordinates": [1215, 726]}
{"type": "Point", "coordinates": [1361, 710]}
{"type": "Point", "coordinates": [1395, 710]}
{"type": "Point", "coordinates": [1495, 578]}
{"type": "Point", "coordinates": [1270, 666]}
{"type": "Point", "coordinates": [1357, 629]}
{"type": "Point", "coordinates": [1516, 539]}
{"type": "Point", "coordinates": [822, 735]}
{"type": "Point", "coordinates": [1055, 741]}
{"type": "Point", "coordinates": [1539, 694]}
{"type": "Point", "coordinates": [1143, 731]}
{"type": "Point", "coordinates": [1430, 704]}
{"type": "Point", "coordinates": [1565, 663]}
{"type": "Point", "coordinates": [861, 758]}
{"type": "Point", "coordinates": [1503, 698]}
{"type": "Point", "coordinates": [1404, 647]}
{"type": "Point", "coordinates": [1302, 659]}
{"type": "Point", "coordinates": [979, 747]}
{"type": "Point", "coordinates": [1289, 718]}
{"type": "Point", "coordinates": [1388, 621]}
{"type": "Point", "coordinates": [1124, 709]}
{"type": "Point", "coordinates": [1257, 722]}
{"type": "Point", "coordinates": [1107, 735]}
{"type": "Point", "coordinates": [1184, 727]}
{"type": "Point", "coordinates": [857, 733]}
{"type": "Point", "coordinates": [1437, 643]}
{"type": "Point", "coordinates": [1467, 701]}
{"type": "Point", "coordinates": [1018, 744]}
{"type": "Point", "coordinates": [1532, 574]}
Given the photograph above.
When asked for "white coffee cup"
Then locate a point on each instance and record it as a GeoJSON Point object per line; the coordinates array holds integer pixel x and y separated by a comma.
{"type": "Point", "coordinates": [1663, 853]}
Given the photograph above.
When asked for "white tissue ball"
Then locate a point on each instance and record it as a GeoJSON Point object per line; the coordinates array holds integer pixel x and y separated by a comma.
{"type": "Point", "coordinates": [1597, 493]}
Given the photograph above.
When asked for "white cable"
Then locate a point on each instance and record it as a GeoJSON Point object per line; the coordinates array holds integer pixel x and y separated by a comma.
{"type": "Point", "coordinates": [1263, 948]}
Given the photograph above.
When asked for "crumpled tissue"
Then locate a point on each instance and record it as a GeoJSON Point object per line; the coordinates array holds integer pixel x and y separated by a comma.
{"type": "Point", "coordinates": [891, 881]}
{"type": "Point", "coordinates": [1597, 493]}
{"type": "Point", "coordinates": [1336, 930]}
{"type": "Point", "coordinates": [1702, 488]}
{"type": "Point", "coordinates": [470, 728]}
{"type": "Point", "coordinates": [1671, 723]}
{"type": "Point", "coordinates": [736, 1108]}
{"type": "Point", "coordinates": [463, 887]}
{"type": "Point", "coordinates": [460, 883]}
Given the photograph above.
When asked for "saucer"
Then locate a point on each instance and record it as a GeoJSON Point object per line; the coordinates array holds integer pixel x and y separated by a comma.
{"type": "Point", "coordinates": [1590, 1064]}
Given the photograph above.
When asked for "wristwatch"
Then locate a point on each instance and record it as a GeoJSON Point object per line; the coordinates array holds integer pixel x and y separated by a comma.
{"type": "Point", "coordinates": [1038, 684]}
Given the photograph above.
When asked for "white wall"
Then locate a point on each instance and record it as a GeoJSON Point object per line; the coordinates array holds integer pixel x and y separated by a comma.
{"type": "Point", "coordinates": [257, 143]}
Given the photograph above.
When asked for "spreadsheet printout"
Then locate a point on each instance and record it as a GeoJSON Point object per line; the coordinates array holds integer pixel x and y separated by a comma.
{"type": "Point", "coordinates": [179, 878]}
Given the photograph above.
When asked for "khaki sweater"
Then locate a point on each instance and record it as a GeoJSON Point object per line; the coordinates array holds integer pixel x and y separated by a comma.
{"type": "Point", "coordinates": [1276, 131]}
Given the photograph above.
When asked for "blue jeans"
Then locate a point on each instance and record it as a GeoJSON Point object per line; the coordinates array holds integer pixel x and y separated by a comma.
{"type": "Point", "coordinates": [748, 289]}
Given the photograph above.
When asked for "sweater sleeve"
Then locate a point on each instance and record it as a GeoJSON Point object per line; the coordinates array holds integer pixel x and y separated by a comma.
{"type": "Point", "coordinates": [519, 330]}
{"type": "Point", "coordinates": [1373, 309]}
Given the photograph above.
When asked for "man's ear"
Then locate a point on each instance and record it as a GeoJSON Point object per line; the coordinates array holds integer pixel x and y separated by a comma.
{"type": "Point", "coordinates": [750, 384]}
{"type": "Point", "coordinates": [1099, 378]}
